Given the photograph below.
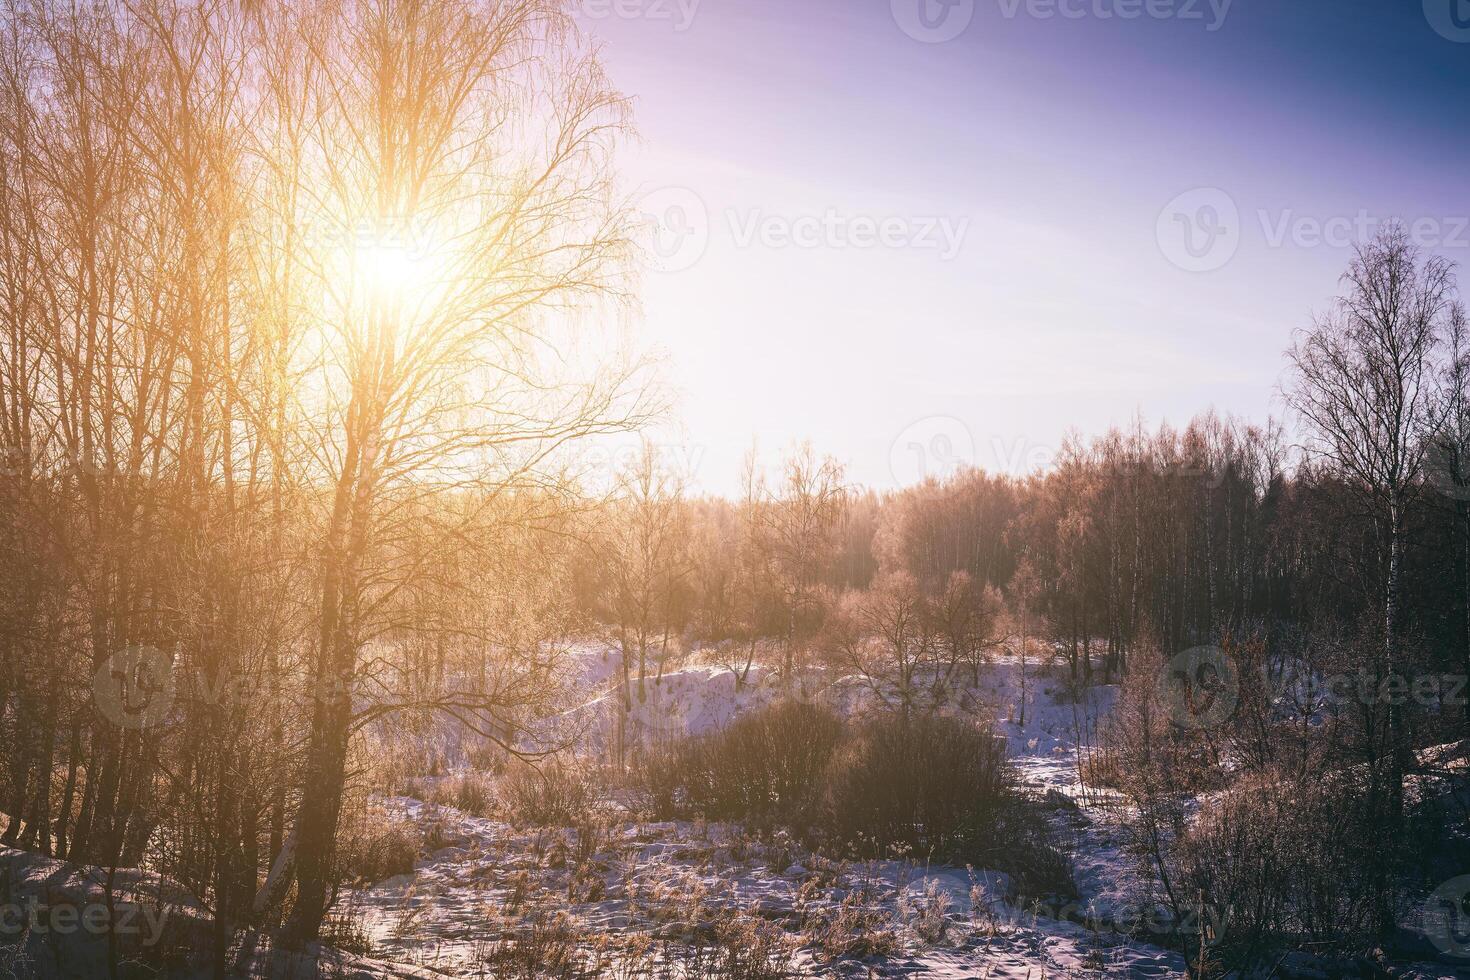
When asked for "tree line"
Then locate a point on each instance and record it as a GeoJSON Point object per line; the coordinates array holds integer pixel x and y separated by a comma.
{"type": "Point", "coordinates": [1165, 537]}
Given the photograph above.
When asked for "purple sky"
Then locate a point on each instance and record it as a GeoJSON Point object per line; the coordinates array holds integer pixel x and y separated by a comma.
{"type": "Point", "coordinates": [915, 251]}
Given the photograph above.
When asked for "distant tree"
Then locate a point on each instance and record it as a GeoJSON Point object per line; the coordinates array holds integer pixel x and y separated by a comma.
{"type": "Point", "coordinates": [754, 599]}
{"type": "Point", "coordinates": [1024, 589]}
{"type": "Point", "coordinates": [967, 624]}
{"type": "Point", "coordinates": [645, 551]}
{"type": "Point", "coordinates": [799, 526]}
{"type": "Point", "coordinates": [884, 636]}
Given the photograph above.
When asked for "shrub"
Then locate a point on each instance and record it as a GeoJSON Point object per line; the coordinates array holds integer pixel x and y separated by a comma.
{"type": "Point", "coordinates": [1025, 848]}
{"type": "Point", "coordinates": [1258, 855]}
{"type": "Point", "coordinates": [545, 947]}
{"type": "Point", "coordinates": [929, 785]}
{"type": "Point", "coordinates": [467, 792]}
{"type": "Point", "coordinates": [750, 948]}
{"type": "Point", "coordinates": [383, 856]}
{"type": "Point", "coordinates": [935, 785]}
{"type": "Point", "coordinates": [766, 766]}
{"type": "Point", "coordinates": [859, 926]}
{"type": "Point", "coordinates": [373, 845]}
{"type": "Point", "coordinates": [395, 763]}
{"type": "Point", "coordinates": [553, 794]}
{"type": "Point", "coordinates": [658, 777]}
{"type": "Point", "coordinates": [343, 931]}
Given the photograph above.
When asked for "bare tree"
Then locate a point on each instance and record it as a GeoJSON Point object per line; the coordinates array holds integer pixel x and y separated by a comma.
{"type": "Point", "coordinates": [1363, 381]}
{"type": "Point", "coordinates": [645, 551]}
{"type": "Point", "coordinates": [748, 601]}
{"type": "Point", "coordinates": [884, 637]}
{"type": "Point", "coordinates": [1449, 461]}
{"type": "Point", "coordinates": [967, 625]}
{"type": "Point", "coordinates": [1024, 588]}
{"type": "Point", "coordinates": [800, 524]}
{"type": "Point", "coordinates": [458, 195]}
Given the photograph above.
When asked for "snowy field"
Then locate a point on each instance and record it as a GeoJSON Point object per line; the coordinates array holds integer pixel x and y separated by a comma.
{"type": "Point", "coordinates": [646, 889]}
{"type": "Point", "coordinates": [626, 898]}
{"type": "Point", "coordinates": [670, 881]}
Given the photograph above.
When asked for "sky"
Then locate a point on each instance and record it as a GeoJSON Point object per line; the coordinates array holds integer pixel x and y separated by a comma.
{"type": "Point", "coordinates": [920, 233]}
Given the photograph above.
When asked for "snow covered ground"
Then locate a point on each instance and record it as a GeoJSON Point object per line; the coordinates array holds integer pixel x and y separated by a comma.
{"type": "Point", "coordinates": [631, 895]}
{"type": "Point", "coordinates": [56, 920]}
{"type": "Point", "coordinates": [670, 880]}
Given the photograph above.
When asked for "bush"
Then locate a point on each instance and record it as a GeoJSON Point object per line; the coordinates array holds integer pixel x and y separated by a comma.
{"type": "Point", "coordinates": [380, 848]}
{"type": "Point", "coordinates": [396, 764]}
{"type": "Point", "coordinates": [546, 947]}
{"type": "Point", "coordinates": [466, 792]}
{"type": "Point", "coordinates": [1259, 857]}
{"type": "Point", "coordinates": [766, 766]}
{"type": "Point", "coordinates": [934, 785]}
{"type": "Point", "coordinates": [1025, 847]}
{"type": "Point", "coordinates": [658, 777]}
{"type": "Point", "coordinates": [750, 948]}
{"type": "Point", "coordinates": [554, 794]}
{"type": "Point", "coordinates": [929, 785]}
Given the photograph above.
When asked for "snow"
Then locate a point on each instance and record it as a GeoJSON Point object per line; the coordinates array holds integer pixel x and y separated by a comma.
{"type": "Point", "coordinates": [615, 878]}
{"type": "Point", "coordinates": [651, 877]}
{"type": "Point", "coordinates": [55, 920]}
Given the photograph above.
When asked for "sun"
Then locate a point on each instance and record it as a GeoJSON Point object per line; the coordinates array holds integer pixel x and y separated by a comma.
{"type": "Point", "coordinates": [398, 275]}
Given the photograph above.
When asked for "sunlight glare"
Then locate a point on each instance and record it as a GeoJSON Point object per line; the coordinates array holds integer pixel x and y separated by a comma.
{"type": "Point", "coordinates": [396, 274]}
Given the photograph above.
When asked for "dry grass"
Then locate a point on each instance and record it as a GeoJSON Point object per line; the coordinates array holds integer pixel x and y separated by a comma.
{"type": "Point", "coordinates": [554, 793]}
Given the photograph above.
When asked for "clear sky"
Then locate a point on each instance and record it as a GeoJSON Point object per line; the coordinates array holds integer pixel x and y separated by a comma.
{"type": "Point", "coordinates": [917, 230]}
